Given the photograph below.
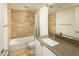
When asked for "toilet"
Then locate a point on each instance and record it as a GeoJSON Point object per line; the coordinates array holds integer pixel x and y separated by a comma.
{"type": "Point", "coordinates": [31, 44]}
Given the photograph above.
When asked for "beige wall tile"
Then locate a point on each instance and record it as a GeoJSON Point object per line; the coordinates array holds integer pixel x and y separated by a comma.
{"type": "Point", "coordinates": [22, 23]}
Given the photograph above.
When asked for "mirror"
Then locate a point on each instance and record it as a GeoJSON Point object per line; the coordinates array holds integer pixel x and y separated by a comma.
{"type": "Point", "coordinates": [64, 18]}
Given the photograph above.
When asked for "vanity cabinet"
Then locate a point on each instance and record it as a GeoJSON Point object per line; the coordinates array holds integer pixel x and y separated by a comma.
{"type": "Point", "coordinates": [47, 52]}
{"type": "Point", "coordinates": [38, 48]}
{"type": "Point", "coordinates": [41, 50]}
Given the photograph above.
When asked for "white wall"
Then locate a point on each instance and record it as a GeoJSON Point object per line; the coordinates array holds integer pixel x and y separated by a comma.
{"type": "Point", "coordinates": [69, 16]}
{"type": "Point", "coordinates": [3, 22]}
{"type": "Point", "coordinates": [65, 22]}
{"type": "Point", "coordinates": [1, 17]}
{"type": "Point", "coordinates": [1, 44]}
{"type": "Point", "coordinates": [5, 27]}
{"type": "Point", "coordinates": [43, 21]}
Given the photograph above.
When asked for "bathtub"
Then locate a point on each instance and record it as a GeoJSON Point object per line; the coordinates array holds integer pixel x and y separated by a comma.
{"type": "Point", "coordinates": [21, 43]}
{"type": "Point", "coordinates": [21, 40]}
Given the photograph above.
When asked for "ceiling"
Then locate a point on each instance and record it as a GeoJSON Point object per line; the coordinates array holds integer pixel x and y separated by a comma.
{"type": "Point", "coordinates": [27, 6]}
{"type": "Point", "coordinates": [33, 7]}
{"type": "Point", "coordinates": [61, 6]}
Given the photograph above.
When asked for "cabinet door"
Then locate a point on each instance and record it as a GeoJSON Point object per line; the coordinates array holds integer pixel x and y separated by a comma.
{"type": "Point", "coordinates": [38, 48]}
{"type": "Point", "coordinates": [47, 52]}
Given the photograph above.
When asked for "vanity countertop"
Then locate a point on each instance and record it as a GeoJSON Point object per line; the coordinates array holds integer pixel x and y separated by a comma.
{"type": "Point", "coordinates": [64, 48]}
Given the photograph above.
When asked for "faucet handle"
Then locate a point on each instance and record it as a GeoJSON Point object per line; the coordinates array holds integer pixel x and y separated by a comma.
{"type": "Point", "coordinates": [61, 34]}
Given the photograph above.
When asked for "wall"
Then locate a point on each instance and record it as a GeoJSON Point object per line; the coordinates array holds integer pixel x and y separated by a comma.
{"type": "Point", "coordinates": [65, 22]}
{"type": "Point", "coordinates": [52, 23]}
{"type": "Point", "coordinates": [22, 23]}
{"type": "Point", "coordinates": [3, 26]}
{"type": "Point", "coordinates": [1, 40]}
{"type": "Point", "coordinates": [43, 21]}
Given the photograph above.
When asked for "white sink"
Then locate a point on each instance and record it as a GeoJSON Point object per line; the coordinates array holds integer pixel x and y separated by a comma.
{"type": "Point", "coordinates": [50, 42]}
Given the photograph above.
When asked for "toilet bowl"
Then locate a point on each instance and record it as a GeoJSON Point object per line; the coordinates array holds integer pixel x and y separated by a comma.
{"type": "Point", "coordinates": [31, 44]}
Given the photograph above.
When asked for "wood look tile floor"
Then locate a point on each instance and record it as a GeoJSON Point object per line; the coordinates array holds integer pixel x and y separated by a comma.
{"type": "Point", "coordinates": [21, 52]}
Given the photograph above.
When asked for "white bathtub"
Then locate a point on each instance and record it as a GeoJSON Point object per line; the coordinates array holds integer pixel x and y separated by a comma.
{"type": "Point", "coordinates": [20, 40]}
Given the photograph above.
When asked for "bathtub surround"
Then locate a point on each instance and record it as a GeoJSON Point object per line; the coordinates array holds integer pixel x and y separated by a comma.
{"type": "Point", "coordinates": [21, 31]}
{"type": "Point", "coordinates": [22, 23]}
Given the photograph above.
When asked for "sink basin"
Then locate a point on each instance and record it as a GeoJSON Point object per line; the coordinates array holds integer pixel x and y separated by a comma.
{"type": "Point", "coordinates": [50, 42]}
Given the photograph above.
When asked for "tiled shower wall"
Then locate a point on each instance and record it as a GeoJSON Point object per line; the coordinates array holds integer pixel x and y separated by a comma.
{"type": "Point", "coordinates": [22, 23]}
{"type": "Point", "coordinates": [52, 22]}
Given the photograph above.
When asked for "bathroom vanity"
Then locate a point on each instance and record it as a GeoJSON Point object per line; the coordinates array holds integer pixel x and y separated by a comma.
{"type": "Point", "coordinates": [42, 50]}
{"type": "Point", "coordinates": [61, 47]}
